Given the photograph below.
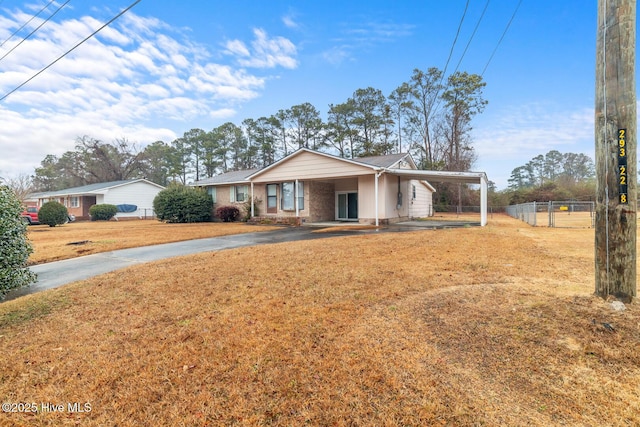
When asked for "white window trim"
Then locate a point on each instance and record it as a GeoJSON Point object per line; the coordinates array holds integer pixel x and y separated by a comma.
{"type": "Point", "coordinates": [234, 189]}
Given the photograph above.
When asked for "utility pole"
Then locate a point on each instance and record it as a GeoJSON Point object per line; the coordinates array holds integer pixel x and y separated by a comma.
{"type": "Point", "coordinates": [616, 139]}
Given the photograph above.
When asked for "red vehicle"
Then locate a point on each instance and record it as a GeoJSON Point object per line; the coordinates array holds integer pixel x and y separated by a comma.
{"type": "Point", "coordinates": [30, 215]}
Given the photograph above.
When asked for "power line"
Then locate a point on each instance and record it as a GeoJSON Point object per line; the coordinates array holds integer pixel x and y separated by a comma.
{"type": "Point", "coordinates": [36, 29]}
{"type": "Point", "coordinates": [26, 23]}
{"type": "Point", "coordinates": [72, 49]}
{"type": "Point", "coordinates": [472, 35]}
{"type": "Point", "coordinates": [455, 40]}
{"type": "Point", "coordinates": [450, 54]}
{"type": "Point", "coordinates": [503, 34]}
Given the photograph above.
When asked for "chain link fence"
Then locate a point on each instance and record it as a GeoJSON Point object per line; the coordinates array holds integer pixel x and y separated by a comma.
{"type": "Point", "coordinates": [561, 214]}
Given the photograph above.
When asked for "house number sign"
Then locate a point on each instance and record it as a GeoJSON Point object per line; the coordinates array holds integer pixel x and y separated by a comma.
{"type": "Point", "coordinates": [622, 166]}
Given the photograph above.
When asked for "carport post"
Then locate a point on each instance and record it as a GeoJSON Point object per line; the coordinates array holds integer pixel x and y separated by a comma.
{"type": "Point", "coordinates": [483, 200]}
{"type": "Point", "coordinates": [377, 175]}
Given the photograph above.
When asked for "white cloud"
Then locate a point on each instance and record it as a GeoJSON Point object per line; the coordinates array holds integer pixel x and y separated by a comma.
{"type": "Point", "coordinates": [289, 22]}
{"type": "Point", "coordinates": [510, 138]}
{"type": "Point", "coordinates": [359, 36]}
{"type": "Point", "coordinates": [130, 81]}
{"type": "Point", "coordinates": [265, 52]}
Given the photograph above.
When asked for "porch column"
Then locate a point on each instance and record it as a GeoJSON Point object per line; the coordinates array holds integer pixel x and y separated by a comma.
{"type": "Point", "coordinates": [483, 201]}
{"type": "Point", "coordinates": [377, 175]}
{"type": "Point", "coordinates": [252, 212]}
{"type": "Point", "coordinates": [295, 199]}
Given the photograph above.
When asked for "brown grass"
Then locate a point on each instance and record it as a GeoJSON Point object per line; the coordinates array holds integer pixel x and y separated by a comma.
{"type": "Point", "coordinates": [472, 326]}
{"type": "Point", "coordinates": [84, 238]}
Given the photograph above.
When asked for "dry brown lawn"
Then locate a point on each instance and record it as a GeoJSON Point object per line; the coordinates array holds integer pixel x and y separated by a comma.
{"type": "Point", "coordinates": [464, 327]}
{"type": "Point", "coordinates": [84, 238]}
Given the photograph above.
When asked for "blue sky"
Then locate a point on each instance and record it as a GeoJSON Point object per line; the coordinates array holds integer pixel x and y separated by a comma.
{"type": "Point", "coordinates": [166, 67]}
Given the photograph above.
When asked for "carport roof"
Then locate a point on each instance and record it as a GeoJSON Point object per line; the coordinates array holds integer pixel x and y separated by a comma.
{"type": "Point", "coordinates": [441, 176]}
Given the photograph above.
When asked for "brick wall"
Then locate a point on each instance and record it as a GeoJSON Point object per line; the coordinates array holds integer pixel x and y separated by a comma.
{"type": "Point", "coordinates": [322, 201]}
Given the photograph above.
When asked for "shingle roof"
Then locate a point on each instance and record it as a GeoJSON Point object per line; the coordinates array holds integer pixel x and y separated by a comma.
{"type": "Point", "coordinates": [88, 189]}
{"type": "Point", "coordinates": [226, 178]}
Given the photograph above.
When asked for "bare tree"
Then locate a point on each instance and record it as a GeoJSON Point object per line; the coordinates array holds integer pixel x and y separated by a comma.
{"type": "Point", "coordinates": [21, 185]}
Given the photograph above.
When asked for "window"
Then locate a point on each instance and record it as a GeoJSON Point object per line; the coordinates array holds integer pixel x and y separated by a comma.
{"type": "Point", "coordinates": [300, 195]}
{"type": "Point", "coordinates": [75, 202]}
{"type": "Point", "coordinates": [272, 198]}
{"type": "Point", "coordinates": [212, 191]}
{"type": "Point", "coordinates": [413, 191]}
{"type": "Point", "coordinates": [289, 193]}
{"type": "Point", "coordinates": [239, 193]}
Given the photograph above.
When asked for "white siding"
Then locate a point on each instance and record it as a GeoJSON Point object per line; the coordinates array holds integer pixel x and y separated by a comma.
{"type": "Point", "coordinates": [305, 166]}
{"type": "Point", "coordinates": [139, 193]}
{"type": "Point", "coordinates": [422, 205]}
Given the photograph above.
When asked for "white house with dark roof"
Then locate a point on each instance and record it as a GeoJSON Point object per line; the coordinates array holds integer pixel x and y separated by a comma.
{"type": "Point", "coordinates": [315, 186]}
{"type": "Point", "coordinates": [134, 198]}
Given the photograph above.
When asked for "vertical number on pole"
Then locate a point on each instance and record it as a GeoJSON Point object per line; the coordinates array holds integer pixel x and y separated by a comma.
{"type": "Point", "coordinates": [622, 166]}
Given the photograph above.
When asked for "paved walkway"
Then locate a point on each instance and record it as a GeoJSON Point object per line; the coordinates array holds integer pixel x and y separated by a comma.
{"type": "Point", "coordinates": [58, 273]}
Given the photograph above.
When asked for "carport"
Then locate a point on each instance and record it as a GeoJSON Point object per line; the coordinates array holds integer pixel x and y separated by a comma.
{"type": "Point", "coordinates": [446, 177]}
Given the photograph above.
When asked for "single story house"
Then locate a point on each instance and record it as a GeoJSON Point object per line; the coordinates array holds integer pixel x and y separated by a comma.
{"type": "Point", "coordinates": [316, 186]}
{"type": "Point", "coordinates": [134, 198]}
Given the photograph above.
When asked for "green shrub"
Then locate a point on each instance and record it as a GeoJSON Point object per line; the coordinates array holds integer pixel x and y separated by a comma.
{"type": "Point", "coordinates": [15, 248]}
{"type": "Point", "coordinates": [52, 214]}
{"type": "Point", "coordinates": [103, 212]}
{"type": "Point", "coordinates": [179, 204]}
{"type": "Point", "coordinates": [228, 213]}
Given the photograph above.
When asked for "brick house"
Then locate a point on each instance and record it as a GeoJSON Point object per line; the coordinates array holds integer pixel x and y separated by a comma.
{"type": "Point", "coordinates": [315, 187]}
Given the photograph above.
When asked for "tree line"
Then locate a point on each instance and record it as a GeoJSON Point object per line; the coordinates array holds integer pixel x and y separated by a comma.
{"type": "Point", "coordinates": [428, 116]}
{"type": "Point", "coordinates": [552, 176]}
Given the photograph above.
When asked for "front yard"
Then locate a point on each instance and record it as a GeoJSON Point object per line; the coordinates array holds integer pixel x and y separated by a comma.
{"type": "Point", "coordinates": [89, 237]}
{"type": "Point", "coordinates": [471, 326]}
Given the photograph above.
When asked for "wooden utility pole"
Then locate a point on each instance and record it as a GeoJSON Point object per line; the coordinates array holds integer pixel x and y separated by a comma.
{"type": "Point", "coordinates": [616, 138]}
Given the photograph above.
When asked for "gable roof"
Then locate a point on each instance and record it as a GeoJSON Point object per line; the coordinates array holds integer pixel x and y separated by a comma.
{"type": "Point", "coordinates": [98, 188]}
{"type": "Point", "coordinates": [374, 162]}
{"type": "Point", "coordinates": [385, 161]}
{"type": "Point", "coordinates": [233, 177]}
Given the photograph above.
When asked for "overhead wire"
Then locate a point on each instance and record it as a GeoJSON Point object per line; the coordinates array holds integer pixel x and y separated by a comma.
{"type": "Point", "coordinates": [446, 65]}
{"type": "Point", "coordinates": [472, 34]}
{"type": "Point", "coordinates": [36, 29]}
{"type": "Point", "coordinates": [26, 23]}
{"type": "Point", "coordinates": [71, 50]}
{"type": "Point", "coordinates": [455, 40]}
{"type": "Point", "coordinates": [501, 38]}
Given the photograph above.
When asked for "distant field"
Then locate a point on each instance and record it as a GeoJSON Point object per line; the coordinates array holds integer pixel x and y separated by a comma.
{"type": "Point", "coordinates": [458, 327]}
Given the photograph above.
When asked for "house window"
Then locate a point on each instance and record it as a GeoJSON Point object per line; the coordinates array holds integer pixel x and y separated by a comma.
{"type": "Point", "coordinates": [212, 191]}
{"type": "Point", "coordinates": [288, 196]}
{"type": "Point", "coordinates": [272, 198]}
{"type": "Point", "coordinates": [239, 193]}
{"type": "Point", "coordinates": [74, 202]}
{"type": "Point", "coordinates": [413, 189]}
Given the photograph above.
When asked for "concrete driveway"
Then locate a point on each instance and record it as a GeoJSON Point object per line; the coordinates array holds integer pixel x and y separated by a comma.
{"type": "Point", "coordinates": [58, 273]}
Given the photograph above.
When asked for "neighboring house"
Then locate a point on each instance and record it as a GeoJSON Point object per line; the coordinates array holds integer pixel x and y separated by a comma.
{"type": "Point", "coordinates": [134, 198]}
{"type": "Point", "coordinates": [316, 187]}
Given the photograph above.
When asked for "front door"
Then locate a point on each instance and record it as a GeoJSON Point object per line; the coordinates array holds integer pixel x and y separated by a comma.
{"type": "Point", "coordinates": [347, 206]}
{"type": "Point", "coordinates": [272, 198]}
